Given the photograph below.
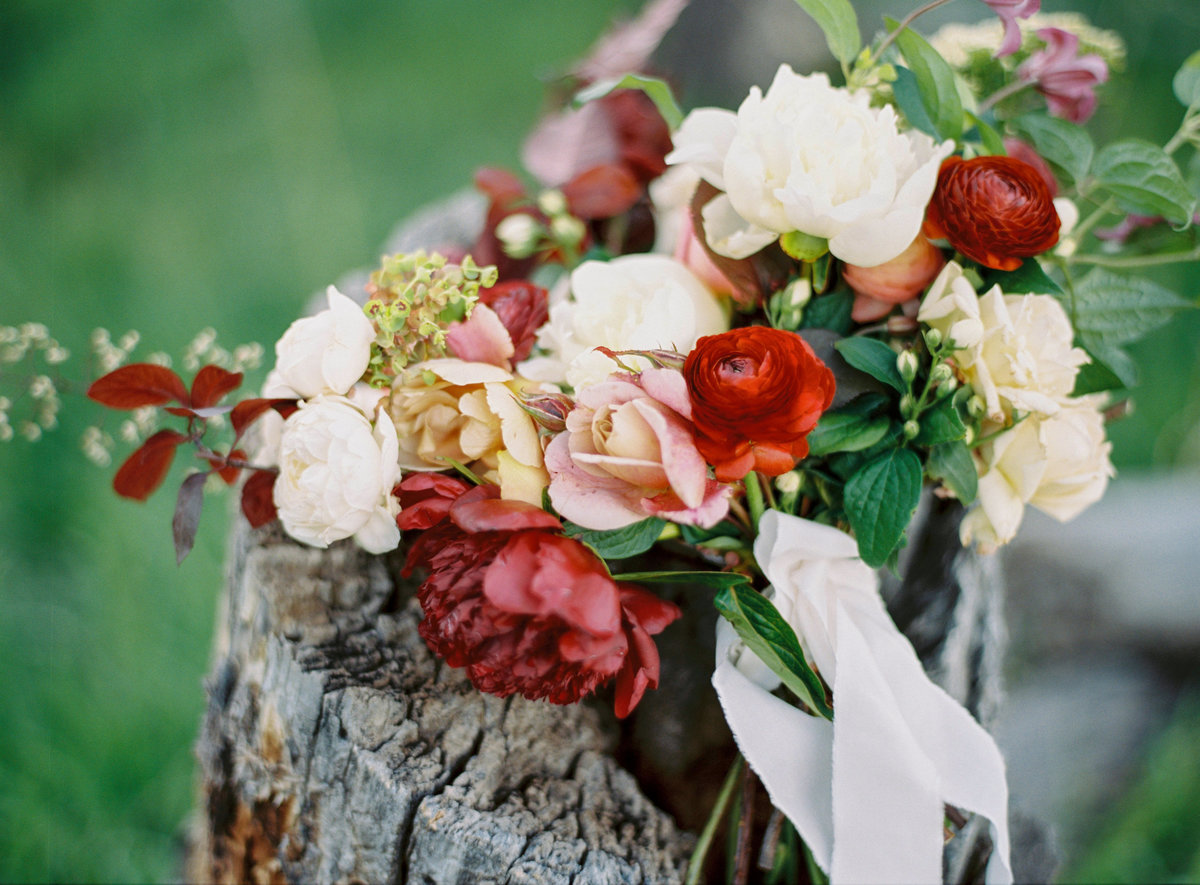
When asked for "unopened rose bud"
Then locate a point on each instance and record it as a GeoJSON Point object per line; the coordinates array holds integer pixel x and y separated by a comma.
{"type": "Point", "coordinates": [552, 202]}
{"type": "Point", "coordinates": [907, 364]}
{"type": "Point", "coordinates": [911, 429]}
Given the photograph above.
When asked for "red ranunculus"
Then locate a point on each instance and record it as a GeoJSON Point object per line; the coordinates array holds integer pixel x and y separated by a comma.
{"type": "Point", "coordinates": [528, 611]}
{"type": "Point", "coordinates": [995, 210]}
{"type": "Point", "coordinates": [756, 392]}
{"type": "Point", "coordinates": [425, 499]}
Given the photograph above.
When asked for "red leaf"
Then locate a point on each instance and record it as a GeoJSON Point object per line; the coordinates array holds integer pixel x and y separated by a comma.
{"type": "Point", "coordinates": [229, 473]}
{"type": "Point", "coordinates": [258, 499]}
{"type": "Point", "coordinates": [499, 185]}
{"type": "Point", "coordinates": [211, 383]}
{"type": "Point", "coordinates": [248, 411]}
{"type": "Point", "coordinates": [146, 468]}
{"type": "Point", "coordinates": [602, 192]}
{"type": "Point", "coordinates": [187, 515]}
{"type": "Point", "coordinates": [138, 385]}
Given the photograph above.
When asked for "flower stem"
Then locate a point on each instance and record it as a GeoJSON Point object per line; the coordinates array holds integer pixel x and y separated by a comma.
{"type": "Point", "coordinates": [1004, 92]}
{"type": "Point", "coordinates": [908, 20]}
{"type": "Point", "coordinates": [745, 829]}
{"type": "Point", "coordinates": [695, 873]}
{"type": "Point", "coordinates": [1117, 261]}
{"type": "Point", "coordinates": [754, 498]}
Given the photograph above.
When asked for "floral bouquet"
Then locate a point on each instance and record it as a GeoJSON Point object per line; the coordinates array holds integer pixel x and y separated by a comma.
{"type": "Point", "coordinates": [742, 342]}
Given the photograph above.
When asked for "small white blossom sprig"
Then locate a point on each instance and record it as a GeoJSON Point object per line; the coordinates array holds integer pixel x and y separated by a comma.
{"type": "Point", "coordinates": [34, 397]}
{"type": "Point", "coordinates": [143, 388]}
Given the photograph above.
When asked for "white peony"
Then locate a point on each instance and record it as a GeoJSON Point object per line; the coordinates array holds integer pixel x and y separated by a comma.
{"type": "Point", "coordinates": [336, 474]}
{"type": "Point", "coordinates": [634, 302]}
{"type": "Point", "coordinates": [813, 158]}
{"type": "Point", "coordinates": [1016, 351]}
{"type": "Point", "coordinates": [325, 353]}
{"type": "Point", "coordinates": [1058, 464]}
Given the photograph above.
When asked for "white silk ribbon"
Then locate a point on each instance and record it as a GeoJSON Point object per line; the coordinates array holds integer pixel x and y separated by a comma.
{"type": "Point", "coordinates": [866, 792]}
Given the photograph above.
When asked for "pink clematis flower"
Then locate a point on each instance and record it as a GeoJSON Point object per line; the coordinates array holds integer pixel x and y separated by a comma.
{"type": "Point", "coordinates": [1067, 79]}
{"type": "Point", "coordinates": [1009, 11]}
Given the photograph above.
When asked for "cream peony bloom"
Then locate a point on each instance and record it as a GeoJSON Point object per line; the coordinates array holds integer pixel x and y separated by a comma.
{"type": "Point", "coordinates": [810, 157]}
{"type": "Point", "coordinates": [1058, 464]}
{"type": "Point", "coordinates": [450, 410]}
{"type": "Point", "coordinates": [634, 302]}
{"type": "Point", "coordinates": [325, 353]}
{"type": "Point", "coordinates": [1016, 351]}
{"type": "Point", "coordinates": [336, 474]}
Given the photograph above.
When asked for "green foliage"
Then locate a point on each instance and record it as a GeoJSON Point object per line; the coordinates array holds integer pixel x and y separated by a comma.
{"type": "Point", "coordinates": [619, 543]}
{"type": "Point", "coordinates": [658, 91]}
{"type": "Point", "coordinates": [768, 635]}
{"type": "Point", "coordinates": [941, 424]}
{"type": "Point", "coordinates": [837, 20]}
{"type": "Point", "coordinates": [1186, 83]}
{"type": "Point", "coordinates": [951, 463]}
{"type": "Point", "coordinates": [855, 426]}
{"type": "Point", "coordinates": [935, 81]}
{"type": "Point", "coordinates": [880, 499]}
{"type": "Point", "coordinates": [1064, 145]}
{"type": "Point", "coordinates": [1109, 310]}
{"type": "Point", "coordinates": [711, 580]}
{"type": "Point", "coordinates": [873, 357]}
{"type": "Point", "coordinates": [830, 311]}
{"type": "Point", "coordinates": [1029, 277]}
{"type": "Point", "coordinates": [907, 93]}
{"type": "Point", "coordinates": [1143, 179]}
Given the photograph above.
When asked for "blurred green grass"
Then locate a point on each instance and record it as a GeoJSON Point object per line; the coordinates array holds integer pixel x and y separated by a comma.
{"type": "Point", "coordinates": [170, 166]}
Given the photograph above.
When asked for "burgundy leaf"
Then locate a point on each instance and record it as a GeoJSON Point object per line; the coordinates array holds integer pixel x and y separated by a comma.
{"type": "Point", "coordinates": [229, 473]}
{"type": "Point", "coordinates": [187, 515]}
{"type": "Point", "coordinates": [602, 192]}
{"type": "Point", "coordinates": [628, 46]}
{"type": "Point", "coordinates": [138, 385]}
{"type": "Point", "coordinates": [248, 411]}
{"type": "Point", "coordinates": [568, 143]}
{"type": "Point", "coordinates": [211, 383]}
{"type": "Point", "coordinates": [146, 468]}
{"type": "Point", "coordinates": [258, 499]}
{"type": "Point", "coordinates": [739, 271]}
{"type": "Point", "coordinates": [499, 185]}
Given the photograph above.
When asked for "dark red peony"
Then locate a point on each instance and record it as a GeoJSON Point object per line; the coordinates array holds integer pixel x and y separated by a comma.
{"type": "Point", "coordinates": [995, 210]}
{"type": "Point", "coordinates": [529, 611]}
{"type": "Point", "coordinates": [756, 392]}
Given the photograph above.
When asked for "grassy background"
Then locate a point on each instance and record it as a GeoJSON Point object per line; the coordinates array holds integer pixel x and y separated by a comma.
{"type": "Point", "coordinates": [167, 166]}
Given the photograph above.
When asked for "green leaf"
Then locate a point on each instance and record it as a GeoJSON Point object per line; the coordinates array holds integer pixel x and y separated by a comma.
{"type": "Point", "coordinates": [935, 81]}
{"type": "Point", "coordinates": [1097, 377]}
{"type": "Point", "coordinates": [619, 543]}
{"type": "Point", "coordinates": [1144, 180]}
{"type": "Point", "coordinates": [656, 90]}
{"type": "Point", "coordinates": [1060, 143]}
{"type": "Point", "coordinates": [1109, 310]}
{"type": "Point", "coordinates": [1029, 277]}
{"type": "Point", "coordinates": [846, 433]}
{"type": "Point", "coordinates": [941, 424]}
{"type": "Point", "coordinates": [873, 357]}
{"type": "Point", "coordinates": [716, 580]}
{"type": "Point", "coordinates": [830, 311]}
{"type": "Point", "coordinates": [840, 25]}
{"type": "Point", "coordinates": [991, 140]}
{"type": "Point", "coordinates": [1187, 81]}
{"type": "Point", "coordinates": [1112, 358]}
{"type": "Point", "coordinates": [693, 534]}
{"type": "Point", "coordinates": [763, 629]}
{"type": "Point", "coordinates": [880, 499]}
{"type": "Point", "coordinates": [951, 462]}
{"type": "Point", "coordinates": [908, 98]}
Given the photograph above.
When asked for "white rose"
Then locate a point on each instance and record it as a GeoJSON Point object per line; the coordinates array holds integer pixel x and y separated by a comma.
{"type": "Point", "coordinates": [635, 302]}
{"type": "Point", "coordinates": [1059, 464]}
{"type": "Point", "coordinates": [813, 158]}
{"type": "Point", "coordinates": [1015, 350]}
{"type": "Point", "coordinates": [325, 353]}
{"type": "Point", "coordinates": [336, 474]}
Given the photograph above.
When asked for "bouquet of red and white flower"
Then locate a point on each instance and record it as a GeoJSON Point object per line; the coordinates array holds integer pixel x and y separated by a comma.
{"type": "Point", "coordinates": [750, 338]}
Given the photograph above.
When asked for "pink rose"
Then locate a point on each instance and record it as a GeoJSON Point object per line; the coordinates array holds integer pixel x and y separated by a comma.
{"type": "Point", "coordinates": [628, 453]}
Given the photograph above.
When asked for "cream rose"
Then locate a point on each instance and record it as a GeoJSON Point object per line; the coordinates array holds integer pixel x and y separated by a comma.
{"type": "Point", "coordinates": [336, 474]}
{"type": "Point", "coordinates": [325, 353]}
{"type": "Point", "coordinates": [1058, 464]}
{"type": "Point", "coordinates": [810, 157]}
{"type": "Point", "coordinates": [628, 453]}
{"type": "Point", "coordinates": [634, 302]}
{"type": "Point", "coordinates": [450, 410]}
{"type": "Point", "coordinates": [1023, 360]}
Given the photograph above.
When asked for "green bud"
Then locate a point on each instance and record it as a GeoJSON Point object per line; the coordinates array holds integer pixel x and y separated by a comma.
{"type": "Point", "coordinates": [911, 429]}
{"type": "Point", "coordinates": [520, 235]}
{"type": "Point", "coordinates": [976, 407]}
{"type": "Point", "coordinates": [907, 364]}
{"type": "Point", "coordinates": [933, 339]}
{"type": "Point", "coordinates": [552, 202]}
{"type": "Point", "coordinates": [941, 374]}
{"type": "Point", "coordinates": [907, 404]}
{"type": "Point", "coordinates": [567, 229]}
{"type": "Point", "coordinates": [788, 483]}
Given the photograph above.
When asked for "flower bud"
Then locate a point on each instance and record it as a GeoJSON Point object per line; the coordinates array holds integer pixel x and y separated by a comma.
{"type": "Point", "coordinates": [567, 229]}
{"type": "Point", "coordinates": [519, 234]}
{"type": "Point", "coordinates": [976, 407]}
{"type": "Point", "coordinates": [788, 483]}
{"type": "Point", "coordinates": [907, 403]}
{"type": "Point", "coordinates": [552, 202]}
{"type": "Point", "coordinates": [907, 364]}
{"type": "Point", "coordinates": [933, 339]}
{"type": "Point", "coordinates": [911, 429]}
{"type": "Point", "coordinates": [941, 373]}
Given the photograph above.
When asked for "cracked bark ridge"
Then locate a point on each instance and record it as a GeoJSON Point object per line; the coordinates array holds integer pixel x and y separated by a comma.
{"type": "Point", "coordinates": [336, 748]}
